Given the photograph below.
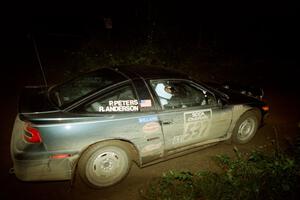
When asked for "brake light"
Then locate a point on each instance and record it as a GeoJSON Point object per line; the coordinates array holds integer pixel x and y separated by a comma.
{"type": "Point", "coordinates": [31, 134]}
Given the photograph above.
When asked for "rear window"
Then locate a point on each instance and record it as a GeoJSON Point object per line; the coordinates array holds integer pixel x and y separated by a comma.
{"type": "Point", "coordinates": [75, 89]}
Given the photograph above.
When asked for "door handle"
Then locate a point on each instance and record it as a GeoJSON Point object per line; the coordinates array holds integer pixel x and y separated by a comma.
{"type": "Point", "coordinates": [167, 122]}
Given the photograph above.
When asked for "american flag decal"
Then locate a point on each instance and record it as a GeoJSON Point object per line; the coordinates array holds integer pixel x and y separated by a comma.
{"type": "Point", "coordinates": [145, 103]}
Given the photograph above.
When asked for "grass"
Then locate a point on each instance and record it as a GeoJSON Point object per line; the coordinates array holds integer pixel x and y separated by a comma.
{"type": "Point", "coordinates": [255, 175]}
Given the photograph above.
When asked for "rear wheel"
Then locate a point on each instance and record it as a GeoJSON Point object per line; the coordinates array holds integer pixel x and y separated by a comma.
{"type": "Point", "coordinates": [246, 127]}
{"type": "Point", "coordinates": [104, 164]}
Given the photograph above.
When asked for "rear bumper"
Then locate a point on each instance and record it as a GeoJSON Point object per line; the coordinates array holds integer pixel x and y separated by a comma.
{"type": "Point", "coordinates": [32, 162]}
{"type": "Point", "coordinates": [43, 170]}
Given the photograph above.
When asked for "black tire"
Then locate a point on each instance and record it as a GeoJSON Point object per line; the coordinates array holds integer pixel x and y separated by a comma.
{"type": "Point", "coordinates": [246, 127]}
{"type": "Point", "coordinates": [104, 164]}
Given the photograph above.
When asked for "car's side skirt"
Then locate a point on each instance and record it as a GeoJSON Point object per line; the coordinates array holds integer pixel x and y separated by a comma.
{"type": "Point", "coordinates": [185, 150]}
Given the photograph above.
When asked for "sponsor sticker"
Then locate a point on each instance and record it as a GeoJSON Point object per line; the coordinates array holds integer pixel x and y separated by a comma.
{"type": "Point", "coordinates": [238, 107]}
{"type": "Point", "coordinates": [151, 127]}
{"type": "Point", "coordinates": [151, 147]}
{"type": "Point", "coordinates": [149, 118]}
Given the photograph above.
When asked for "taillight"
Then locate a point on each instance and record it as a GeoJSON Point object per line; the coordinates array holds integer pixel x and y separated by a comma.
{"type": "Point", "coordinates": [31, 134]}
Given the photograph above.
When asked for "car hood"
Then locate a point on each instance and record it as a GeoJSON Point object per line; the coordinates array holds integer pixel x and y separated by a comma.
{"type": "Point", "coordinates": [35, 100]}
{"type": "Point", "coordinates": [234, 88]}
{"type": "Point", "coordinates": [235, 97]}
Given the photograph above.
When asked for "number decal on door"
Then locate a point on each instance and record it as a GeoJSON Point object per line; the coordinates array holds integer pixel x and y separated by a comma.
{"type": "Point", "coordinates": [196, 122]}
{"type": "Point", "coordinates": [196, 125]}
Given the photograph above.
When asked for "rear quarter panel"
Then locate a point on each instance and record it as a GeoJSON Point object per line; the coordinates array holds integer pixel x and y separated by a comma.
{"type": "Point", "coordinates": [145, 135]}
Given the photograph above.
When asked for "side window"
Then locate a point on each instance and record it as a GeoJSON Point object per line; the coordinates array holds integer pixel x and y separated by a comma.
{"type": "Point", "coordinates": [180, 94]}
{"type": "Point", "coordinates": [120, 100]}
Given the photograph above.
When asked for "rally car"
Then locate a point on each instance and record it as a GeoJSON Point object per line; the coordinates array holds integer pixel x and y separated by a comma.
{"type": "Point", "coordinates": [99, 123]}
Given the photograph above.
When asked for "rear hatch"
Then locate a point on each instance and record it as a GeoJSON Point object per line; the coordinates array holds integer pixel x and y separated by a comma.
{"type": "Point", "coordinates": [35, 100]}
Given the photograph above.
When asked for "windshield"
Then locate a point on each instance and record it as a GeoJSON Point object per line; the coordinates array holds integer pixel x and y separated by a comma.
{"type": "Point", "coordinates": [69, 92]}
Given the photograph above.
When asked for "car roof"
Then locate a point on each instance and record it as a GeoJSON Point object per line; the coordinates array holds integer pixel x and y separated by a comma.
{"type": "Point", "coordinates": [149, 72]}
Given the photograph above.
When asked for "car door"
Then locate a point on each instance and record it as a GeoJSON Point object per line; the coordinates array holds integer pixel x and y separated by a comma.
{"type": "Point", "coordinates": [189, 113]}
{"type": "Point", "coordinates": [124, 114]}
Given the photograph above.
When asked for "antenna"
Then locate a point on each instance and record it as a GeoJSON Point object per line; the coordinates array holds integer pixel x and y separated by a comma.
{"type": "Point", "coordinates": [39, 60]}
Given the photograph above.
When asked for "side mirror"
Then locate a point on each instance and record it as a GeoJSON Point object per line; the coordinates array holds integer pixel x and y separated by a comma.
{"type": "Point", "coordinates": [221, 101]}
{"type": "Point", "coordinates": [205, 96]}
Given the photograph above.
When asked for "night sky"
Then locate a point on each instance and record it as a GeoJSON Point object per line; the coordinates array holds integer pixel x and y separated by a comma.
{"type": "Point", "coordinates": [254, 31]}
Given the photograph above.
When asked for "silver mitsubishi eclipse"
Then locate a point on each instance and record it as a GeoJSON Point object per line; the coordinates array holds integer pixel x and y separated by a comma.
{"type": "Point", "coordinates": [99, 123]}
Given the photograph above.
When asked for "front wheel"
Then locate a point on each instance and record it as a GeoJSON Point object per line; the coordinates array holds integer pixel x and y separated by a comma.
{"type": "Point", "coordinates": [246, 127]}
{"type": "Point", "coordinates": [103, 165]}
